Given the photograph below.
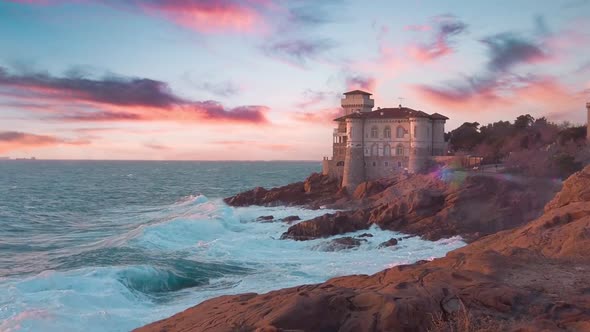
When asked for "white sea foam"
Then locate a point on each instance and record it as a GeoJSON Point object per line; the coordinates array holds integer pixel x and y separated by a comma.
{"type": "Point", "coordinates": [190, 233]}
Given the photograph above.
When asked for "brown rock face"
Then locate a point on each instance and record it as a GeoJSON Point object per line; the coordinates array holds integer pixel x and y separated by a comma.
{"type": "Point", "coordinates": [534, 277]}
{"type": "Point", "coordinates": [315, 191]}
{"type": "Point", "coordinates": [575, 189]}
{"type": "Point", "coordinates": [434, 209]}
{"type": "Point", "coordinates": [327, 225]}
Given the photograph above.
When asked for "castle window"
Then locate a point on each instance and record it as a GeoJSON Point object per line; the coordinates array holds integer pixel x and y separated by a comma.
{"type": "Point", "coordinates": [374, 150]}
{"type": "Point", "coordinates": [415, 131]}
{"type": "Point", "coordinates": [340, 163]}
{"type": "Point", "coordinates": [374, 132]}
{"type": "Point", "coordinates": [386, 163]}
{"type": "Point", "coordinates": [399, 164]}
{"type": "Point", "coordinates": [387, 132]}
{"type": "Point", "coordinates": [400, 131]}
{"type": "Point", "coordinates": [374, 164]}
{"type": "Point", "coordinates": [399, 150]}
{"type": "Point", "coordinates": [387, 150]}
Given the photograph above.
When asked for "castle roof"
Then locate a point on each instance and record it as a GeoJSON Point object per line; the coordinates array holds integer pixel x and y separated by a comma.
{"type": "Point", "coordinates": [357, 92]}
{"type": "Point", "coordinates": [393, 113]}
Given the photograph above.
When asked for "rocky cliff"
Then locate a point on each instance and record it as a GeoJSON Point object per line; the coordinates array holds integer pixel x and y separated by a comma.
{"type": "Point", "coordinates": [535, 277]}
{"type": "Point", "coordinates": [435, 207]}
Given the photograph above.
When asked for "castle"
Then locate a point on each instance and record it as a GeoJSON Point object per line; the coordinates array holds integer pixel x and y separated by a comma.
{"type": "Point", "coordinates": [370, 144]}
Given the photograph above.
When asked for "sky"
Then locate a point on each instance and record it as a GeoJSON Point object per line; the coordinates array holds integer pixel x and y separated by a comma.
{"type": "Point", "coordinates": [263, 79]}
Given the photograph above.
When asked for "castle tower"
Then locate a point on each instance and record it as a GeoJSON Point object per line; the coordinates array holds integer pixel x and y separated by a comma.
{"type": "Point", "coordinates": [354, 160]}
{"type": "Point", "coordinates": [418, 145]}
{"type": "Point", "coordinates": [357, 101]}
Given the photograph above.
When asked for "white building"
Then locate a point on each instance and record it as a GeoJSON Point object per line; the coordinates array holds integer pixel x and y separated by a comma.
{"type": "Point", "coordinates": [370, 144]}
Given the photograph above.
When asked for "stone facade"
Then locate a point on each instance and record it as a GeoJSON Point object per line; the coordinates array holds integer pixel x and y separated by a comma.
{"type": "Point", "coordinates": [371, 144]}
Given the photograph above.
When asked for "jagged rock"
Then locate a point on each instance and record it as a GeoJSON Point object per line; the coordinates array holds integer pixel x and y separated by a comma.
{"type": "Point", "coordinates": [341, 243]}
{"type": "Point", "coordinates": [327, 225]}
{"type": "Point", "coordinates": [575, 189]}
{"type": "Point", "coordinates": [315, 191]}
{"type": "Point", "coordinates": [265, 218]}
{"type": "Point", "coordinates": [533, 277]}
{"type": "Point", "coordinates": [290, 219]}
{"type": "Point", "coordinates": [388, 243]}
{"type": "Point", "coordinates": [366, 235]}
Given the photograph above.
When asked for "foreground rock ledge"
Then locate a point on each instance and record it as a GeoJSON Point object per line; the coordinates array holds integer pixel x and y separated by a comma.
{"type": "Point", "coordinates": [532, 278]}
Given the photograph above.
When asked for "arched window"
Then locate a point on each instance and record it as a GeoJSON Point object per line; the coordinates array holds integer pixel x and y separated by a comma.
{"type": "Point", "coordinates": [387, 132]}
{"type": "Point", "coordinates": [374, 150]}
{"type": "Point", "coordinates": [400, 131]}
{"type": "Point", "coordinates": [387, 150]}
{"type": "Point", "coordinates": [374, 132]}
{"type": "Point", "coordinates": [399, 150]}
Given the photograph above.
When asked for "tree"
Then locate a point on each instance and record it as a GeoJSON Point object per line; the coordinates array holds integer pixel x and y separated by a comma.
{"type": "Point", "coordinates": [523, 121]}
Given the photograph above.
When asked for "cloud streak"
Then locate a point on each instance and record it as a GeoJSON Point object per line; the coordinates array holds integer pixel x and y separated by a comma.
{"type": "Point", "coordinates": [13, 140]}
{"type": "Point", "coordinates": [120, 99]}
{"type": "Point", "coordinates": [443, 28]}
{"type": "Point", "coordinates": [298, 51]}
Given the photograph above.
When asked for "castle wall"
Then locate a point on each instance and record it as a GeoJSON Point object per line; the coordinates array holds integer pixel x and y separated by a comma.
{"type": "Point", "coordinates": [382, 167]}
{"type": "Point", "coordinates": [354, 163]}
{"type": "Point", "coordinates": [439, 147]}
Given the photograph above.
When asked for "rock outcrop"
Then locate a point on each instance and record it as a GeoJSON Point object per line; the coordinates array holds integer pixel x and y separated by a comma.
{"type": "Point", "coordinates": [389, 243]}
{"type": "Point", "coordinates": [534, 277]}
{"type": "Point", "coordinates": [327, 225]}
{"type": "Point", "coordinates": [435, 208]}
{"type": "Point", "coordinates": [315, 191]}
{"type": "Point", "coordinates": [341, 243]}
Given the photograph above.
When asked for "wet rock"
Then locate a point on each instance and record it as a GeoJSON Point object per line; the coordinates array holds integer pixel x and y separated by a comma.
{"type": "Point", "coordinates": [315, 191]}
{"type": "Point", "coordinates": [342, 243]}
{"type": "Point", "coordinates": [366, 235]}
{"type": "Point", "coordinates": [290, 219]}
{"type": "Point", "coordinates": [388, 243]}
{"type": "Point", "coordinates": [329, 224]}
{"type": "Point", "coordinates": [265, 218]}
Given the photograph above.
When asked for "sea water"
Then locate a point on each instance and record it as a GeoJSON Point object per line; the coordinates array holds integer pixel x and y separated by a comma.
{"type": "Point", "coordinates": [113, 245]}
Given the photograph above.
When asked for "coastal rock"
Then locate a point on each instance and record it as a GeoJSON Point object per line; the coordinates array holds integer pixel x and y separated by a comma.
{"type": "Point", "coordinates": [265, 218]}
{"type": "Point", "coordinates": [342, 243]}
{"type": "Point", "coordinates": [575, 189]}
{"type": "Point", "coordinates": [327, 225]}
{"type": "Point", "coordinates": [291, 219]}
{"type": "Point", "coordinates": [366, 235]}
{"type": "Point", "coordinates": [389, 243]}
{"type": "Point", "coordinates": [530, 278]}
{"type": "Point", "coordinates": [315, 191]}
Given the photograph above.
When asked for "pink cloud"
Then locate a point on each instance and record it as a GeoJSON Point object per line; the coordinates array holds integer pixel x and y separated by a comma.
{"type": "Point", "coordinates": [256, 144]}
{"type": "Point", "coordinates": [12, 140]}
{"type": "Point", "coordinates": [545, 94]}
{"type": "Point", "coordinates": [208, 16]}
{"type": "Point", "coordinates": [212, 16]}
{"type": "Point", "coordinates": [118, 99]}
{"type": "Point", "coordinates": [443, 28]}
{"type": "Point", "coordinates": [321, 116]}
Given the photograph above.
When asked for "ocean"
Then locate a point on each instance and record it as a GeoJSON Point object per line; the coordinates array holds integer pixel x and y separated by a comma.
{"type": "Point", "coordinates": [114, 245]}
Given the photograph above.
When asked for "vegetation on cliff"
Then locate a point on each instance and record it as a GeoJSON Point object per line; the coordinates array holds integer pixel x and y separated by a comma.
{"type": "Point", "coordinates": [529, 146]}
